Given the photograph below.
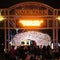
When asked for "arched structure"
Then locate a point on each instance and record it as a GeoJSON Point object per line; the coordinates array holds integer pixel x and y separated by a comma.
{"type": "Point", "coordinates": [41, 39]}
{"type": "Point", "coordinates": [31, 4]}
{"type": "Point", "coordinates": [29, 11]}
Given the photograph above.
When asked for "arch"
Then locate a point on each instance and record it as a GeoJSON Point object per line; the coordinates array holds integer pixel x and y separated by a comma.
{"type": "Point", "coordinates": [24, 4]}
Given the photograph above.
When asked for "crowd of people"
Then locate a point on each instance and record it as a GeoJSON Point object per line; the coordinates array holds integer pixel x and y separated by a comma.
{"type": "Point", "coordinates": [33, 53]}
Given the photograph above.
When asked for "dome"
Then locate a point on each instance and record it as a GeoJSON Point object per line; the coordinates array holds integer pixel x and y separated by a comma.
{"type": "Point", "coordinates": [39, 37]}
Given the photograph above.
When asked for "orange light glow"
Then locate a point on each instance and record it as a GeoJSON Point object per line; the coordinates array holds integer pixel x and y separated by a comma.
{"type": "Point", "coordinates": [58, 17]}
{"type": "Point", "coordinates": [31, 22]}
{"type": "Point", "coordinates": [1, 18]}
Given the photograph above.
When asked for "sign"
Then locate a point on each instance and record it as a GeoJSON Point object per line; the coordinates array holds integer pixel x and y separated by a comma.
{"type": "Point", "coordinates": [31, 12]}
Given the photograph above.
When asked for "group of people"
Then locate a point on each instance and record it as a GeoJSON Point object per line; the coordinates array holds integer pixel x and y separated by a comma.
{"type": "Point", "coordinates": [31, 53]}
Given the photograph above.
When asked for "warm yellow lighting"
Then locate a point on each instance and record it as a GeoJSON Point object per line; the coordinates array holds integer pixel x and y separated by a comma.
{"type": "Point", "coordinates": [1, 18]}
{"type": "Point", "coordinates": [31, 22]}
{"type": "Point", "coordinates": [58, 18]}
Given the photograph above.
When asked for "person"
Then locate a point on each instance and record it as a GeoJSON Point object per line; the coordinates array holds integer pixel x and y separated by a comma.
{"type": "Point", "coordinates": [44, 53]}
{"type": "Point", "coordinates": [48, 53]}
{"type": "Point", "coordinates": [12, 54]}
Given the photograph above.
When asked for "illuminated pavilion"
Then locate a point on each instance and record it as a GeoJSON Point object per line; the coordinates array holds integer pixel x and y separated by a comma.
{"type": "Point", "coordinates": [41, 17]}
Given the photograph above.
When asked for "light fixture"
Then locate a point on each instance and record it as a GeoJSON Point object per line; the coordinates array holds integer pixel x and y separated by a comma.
{"type": "Point", "coordinates": [58, 17]}
{"type": "Point", "coordinates": [1, 17]}
{"type": "Point", "coordinates": [31, 22]}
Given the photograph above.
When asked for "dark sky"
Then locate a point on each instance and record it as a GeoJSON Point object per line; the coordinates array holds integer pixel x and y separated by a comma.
{"type": "Point", "coordinates": [8, 3]}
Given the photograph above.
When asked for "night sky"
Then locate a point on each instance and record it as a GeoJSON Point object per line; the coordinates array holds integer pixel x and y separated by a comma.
{"type": "Point", "coordinates": [8, 3]}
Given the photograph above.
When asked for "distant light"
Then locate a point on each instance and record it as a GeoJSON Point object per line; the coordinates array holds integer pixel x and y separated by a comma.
{"type": "Point", "coordinates": [11, 43]}
{"type": "Point", "coordinates": [58, 17]}
{"type": "Point", "coordinates": [1, 18]}
{"type": "Point", "coordinates": [58, 44]}
{"type": "Point", "coordinates": [31, 22]}
{"type": "Point", "coordinates": [52, 46]}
